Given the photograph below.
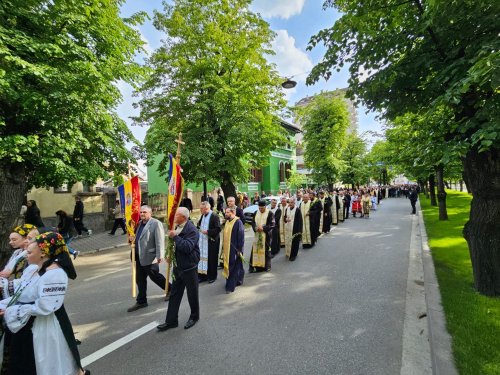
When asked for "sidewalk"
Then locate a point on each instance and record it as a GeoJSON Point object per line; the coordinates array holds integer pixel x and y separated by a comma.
{"type": "Point", "coordinates": [103, 241]}
{"type": "Point", "coordinates": [98, 242]}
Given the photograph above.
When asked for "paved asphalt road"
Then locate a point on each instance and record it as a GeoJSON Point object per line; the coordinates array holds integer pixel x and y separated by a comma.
{"type": "Point", "coordinates": [338, 309]}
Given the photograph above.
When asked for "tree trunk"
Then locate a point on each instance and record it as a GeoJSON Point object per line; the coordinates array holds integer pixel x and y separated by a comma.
{"type": "Point", "coordinates": [432, 190]}
{"type": "Point", "coordinates": [441, 195]}
{"type": "Point", "coordinates": [228, 187]}
{"type": "Point", "coordinates": [12, 191]}
{"type": "Point", "coordinates": [482, 177]}
{"type": "Point", "coordinates": [461, 185]}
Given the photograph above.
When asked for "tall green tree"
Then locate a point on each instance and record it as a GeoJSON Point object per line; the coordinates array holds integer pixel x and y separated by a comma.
{"type": "Point", "coordinates": [325, 121]}
{"type": "Point", "coordinates": [59, 65]}
{"type": "Point", "coordinates": [420, 56]}
{"type": "Point", "coordinates": [353, 158]}
{"type": "Point", "coordinates": [211, 81]}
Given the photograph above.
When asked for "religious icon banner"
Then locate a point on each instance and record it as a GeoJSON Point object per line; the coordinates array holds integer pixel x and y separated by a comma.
{"type": "Point", "coordinates": [130, 201]}
{"type": "Point", "coordinates": [175, 189]}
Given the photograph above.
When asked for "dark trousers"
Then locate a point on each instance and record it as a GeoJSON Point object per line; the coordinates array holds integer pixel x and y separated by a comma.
{"type": "Point", "coordinates": [141, 278]}
{"type": "Point", "coordinates": [413, 207]}
{"type": "Point", "coordinates": [183, 280]}
{"type": "Point", "coordinates": [79, 226]}
{"type": "Point", "coordinates": [213, 255]}
{"type": "Point", "coordinates": [346, 211]}
{"type": "Point", "coordinates": [118, 222]}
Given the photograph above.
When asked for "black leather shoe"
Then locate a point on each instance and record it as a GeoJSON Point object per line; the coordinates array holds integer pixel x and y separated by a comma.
{"type": "Point", "coordinates": [211, 281]}
{"type": "Point", "coordinates": [165, 326]}
{"type": "Point", "coordinates": [190, 323]}
{"type": "Point", "coordinates": [137, 306]}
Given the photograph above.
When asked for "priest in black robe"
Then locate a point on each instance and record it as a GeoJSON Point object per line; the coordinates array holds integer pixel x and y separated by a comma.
{"type": "Point", "coordinates": [327, 214]}
{"type": "Point", "coordinates": [293, 229]}
{"type": "Point", "coordinates": [209, 243]}
{"type": "Point", "coordinates": [262, 225]}
{"type": "Point", "coordinates": [232, 250]}
{"type": "Point", "coordinates": [275, 240]}
{"type": "Point", "coordinates": [314, 217]}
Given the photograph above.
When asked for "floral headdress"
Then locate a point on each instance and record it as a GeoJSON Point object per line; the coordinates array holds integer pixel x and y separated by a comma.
{"type": "Point", "coordinates": [24, 229]}
{"type": "Point", "coordinates": [51, 244]}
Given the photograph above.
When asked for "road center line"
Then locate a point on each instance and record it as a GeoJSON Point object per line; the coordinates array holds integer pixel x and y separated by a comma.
{"type": "Point", "coordinates": [117, 344]}
{"type": "Point", "coordinates": [105, 274]}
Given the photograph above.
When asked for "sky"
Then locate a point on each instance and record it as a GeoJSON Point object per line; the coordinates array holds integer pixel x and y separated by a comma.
{"type": "Point", "coordinates": [294, 22]}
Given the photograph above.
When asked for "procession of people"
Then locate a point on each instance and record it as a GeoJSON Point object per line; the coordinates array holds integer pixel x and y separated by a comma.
{"type": "Point", "coordinates": [41, 257]}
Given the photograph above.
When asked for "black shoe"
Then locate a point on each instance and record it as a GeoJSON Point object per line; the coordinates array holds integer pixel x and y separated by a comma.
{"type": "Point", "coordinates": [190, 323]}
{"type": "Point", "coordinates": [211, 281]}
{"type": "Point", "coordinates": [86, 372]}
{"type": "Point", "coordinates": [165, 326]}
{"type": "Point", "coordinates": [167, 297]}
{"type": "Point", "coordinates": [292, 259]}
{"type": "Point", "coordinates": [137, 306]}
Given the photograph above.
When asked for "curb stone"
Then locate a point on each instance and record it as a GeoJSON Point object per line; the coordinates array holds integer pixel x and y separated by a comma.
{"type": "Point", "coordinates": [439, 338]}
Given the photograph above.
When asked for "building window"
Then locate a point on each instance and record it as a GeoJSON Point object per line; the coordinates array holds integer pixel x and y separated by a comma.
{"type": "Point", "coordinates": [282, 171]}
{"type": "Point", "coordinates": [64, 188]}
{"type": "Point", "coordinates": [255, 175]}
{"type": "Point", "coordinates": [288, 170]}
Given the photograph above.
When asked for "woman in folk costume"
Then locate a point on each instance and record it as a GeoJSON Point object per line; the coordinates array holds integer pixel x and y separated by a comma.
{"type": "Point", "coordinates": [17, 261]}
{"type": "Point", "coordinates": [366, 202]}
{"type": "Point", "coordinates": [356, 204]}
{"type": "Point", "coordinates": [263, 224]}
{"type": "Point", "coordinates": [39, 335]}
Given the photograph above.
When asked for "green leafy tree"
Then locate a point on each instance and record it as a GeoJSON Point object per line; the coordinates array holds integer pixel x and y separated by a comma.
{"type": "Point", "coordinates": [378, 163]}
{"type": "Point", "coordinates": [295, 180]}
{"type": "Point", "coordinates": [59, 64]}
{"type": "Point", "coordinates": [211, 81]}
{"type": "Point", "coordinates": [325, 122]}
{"type": "Point", "coordinates": [420, 57]}
{"type": "Point", "coordinates": [354, 166]}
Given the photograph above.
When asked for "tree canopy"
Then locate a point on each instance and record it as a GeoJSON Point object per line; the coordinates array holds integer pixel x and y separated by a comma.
{"type": "Point", "coordinates": [59, 66]}
{"type": "Point", "coordinates": [324, 122]}
{"type": "Point", "coordinates": [424, 58]}
{"type": "Point", "coordinates": [211, 81]}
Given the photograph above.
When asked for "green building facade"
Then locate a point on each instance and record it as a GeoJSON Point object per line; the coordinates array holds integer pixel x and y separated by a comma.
{"type": "Point", "coordinates": [271, 178]}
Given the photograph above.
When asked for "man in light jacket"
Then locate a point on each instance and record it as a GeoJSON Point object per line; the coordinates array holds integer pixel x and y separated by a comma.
{"type": "Point", "coordinates": [149, 249]}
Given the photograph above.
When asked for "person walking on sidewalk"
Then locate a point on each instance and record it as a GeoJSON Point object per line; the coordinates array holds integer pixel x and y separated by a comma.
{"type": "Point", "coordinates": [149, 246]}
{"type": "Point", "coordinates": [78, 218]}
{"type": "Point", "coordinates": [413, 200]}
{"type": "Point", "coordinates": [117, 211]}
{"type": "Point", "coordinates": [185, 272]}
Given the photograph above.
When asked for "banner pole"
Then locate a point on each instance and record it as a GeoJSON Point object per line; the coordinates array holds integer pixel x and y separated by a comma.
{"type": "Point", "coordinates": [134, 285]}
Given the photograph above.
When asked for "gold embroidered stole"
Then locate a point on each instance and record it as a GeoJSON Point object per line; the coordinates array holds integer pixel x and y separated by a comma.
{"type": "Point", "coordinates": [290, 215]}
{"type": "Point", "coordinates": [306, 232]}
{"type": "Point", "coordinates": [282, 224]}
{"type": "Point", "coordinates": [259, 242]}
{"type": "Point", "coordinates": [226, 245]}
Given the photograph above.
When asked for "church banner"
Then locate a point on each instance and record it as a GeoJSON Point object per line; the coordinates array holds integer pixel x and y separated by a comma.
{"type": "Point", "coordinates": [175, 189]}
{"type": "Point", "coordinates": [130, 202]}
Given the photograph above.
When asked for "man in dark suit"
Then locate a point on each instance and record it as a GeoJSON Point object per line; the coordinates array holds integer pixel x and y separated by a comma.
{"type": "Point", "coordinates": [347, 204]}
{"type": "Point", "coordinates": [185, 272]}
{"type": "Point", "coordinates": [149, 246]}
{"type": "Point", "coordinates": [209, 226]}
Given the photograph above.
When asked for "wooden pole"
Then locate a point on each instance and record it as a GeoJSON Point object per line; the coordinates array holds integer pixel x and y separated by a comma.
{"type": "Point", "coordinates": [169, 264]}
{"type": "Point", "coordinates": [134, 285]}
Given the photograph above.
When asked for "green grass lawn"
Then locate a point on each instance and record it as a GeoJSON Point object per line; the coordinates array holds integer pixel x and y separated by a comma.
{"type": "Point", "coordinates": [473, 320]}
